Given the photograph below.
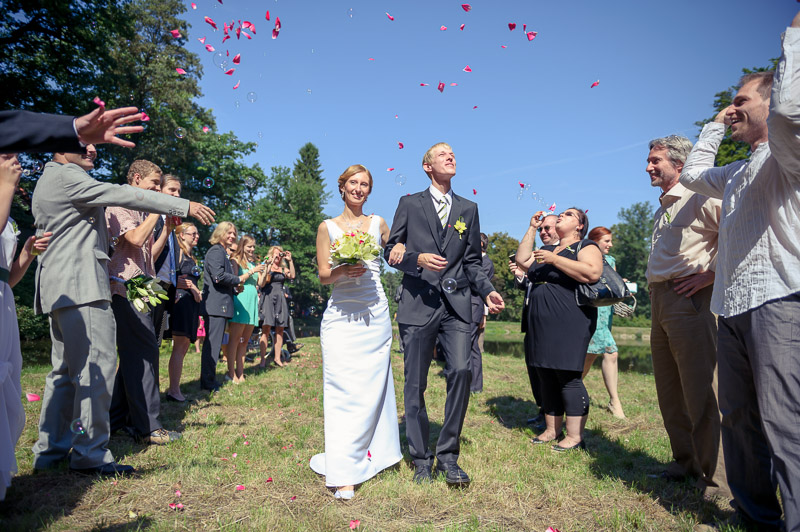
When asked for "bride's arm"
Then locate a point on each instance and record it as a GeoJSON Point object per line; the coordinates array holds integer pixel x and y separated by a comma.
{"type": "Point", "coordinates": [399, 249]}
{"type": "Point", "coordinates": [326, 274]}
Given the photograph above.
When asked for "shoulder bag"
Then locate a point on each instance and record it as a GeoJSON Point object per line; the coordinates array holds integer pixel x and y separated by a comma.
{"type": "Point", "coordinates": [608, 290]}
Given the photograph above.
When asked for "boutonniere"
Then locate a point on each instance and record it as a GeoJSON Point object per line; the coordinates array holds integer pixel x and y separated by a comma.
{"type": "Point", "coordinates": [15, 228]}
{"type": "Point", "coordinates": [460, 226]}
{"type": "Point", "coordinates": [569, 248]}
{"type": "Point", "coordinates": [668, 217]}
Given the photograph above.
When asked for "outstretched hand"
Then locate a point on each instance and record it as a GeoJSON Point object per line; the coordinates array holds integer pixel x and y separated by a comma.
{"type": "Point", "coordinates": [101, 126]}
{"type": "Point", "coordinates": [204, 214]}
{"type": "Point", "coordinates": [495, 302]}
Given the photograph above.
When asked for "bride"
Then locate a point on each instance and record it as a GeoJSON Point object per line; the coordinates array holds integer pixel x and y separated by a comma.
{"type": "Point", "coordinates": [361, 432]}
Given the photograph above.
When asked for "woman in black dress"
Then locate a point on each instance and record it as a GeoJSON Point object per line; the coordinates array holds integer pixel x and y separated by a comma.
{"type": "Point", "coordinates": [559, 330]}
{"type": "Point", "coordinates": [273, 306]}
{"type": "Point", "coordinates": [185, 315]}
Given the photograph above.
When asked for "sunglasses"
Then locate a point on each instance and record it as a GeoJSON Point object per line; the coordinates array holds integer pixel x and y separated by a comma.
{"type": "Point", "coordinates": [568, 213]}
{"type": "Point", "coordinates": [548, 227]}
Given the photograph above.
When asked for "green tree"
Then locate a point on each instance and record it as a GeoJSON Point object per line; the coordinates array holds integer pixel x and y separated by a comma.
{"type": "Point", "coordinates": [730, 150]}
{"type": "Point", "coordinates": [632, 237]}
{"type": "Point", "coordinates": [500, 247]}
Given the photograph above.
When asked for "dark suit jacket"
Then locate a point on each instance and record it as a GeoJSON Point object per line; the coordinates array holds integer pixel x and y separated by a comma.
{"type": "Point", "coordinates": [525, 285]}
{"type": "Point", "coordinates": [488, 268]}
{"type": "Point", "coordinates": [418, 227]}
{"type": "Point", "coordinates": [36, 132]}
{"type": "Point", "coordinates": [218, 283]}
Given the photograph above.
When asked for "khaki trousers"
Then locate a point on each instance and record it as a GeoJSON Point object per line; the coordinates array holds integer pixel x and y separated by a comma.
{"type": "Point", "coordinates": [683, 340]}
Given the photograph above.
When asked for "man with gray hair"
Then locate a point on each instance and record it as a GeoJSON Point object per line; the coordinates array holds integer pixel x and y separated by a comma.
{"type": "Point", "coordinates": [757, 289]}
{"type": "Point", "coordinates": [683, 337]}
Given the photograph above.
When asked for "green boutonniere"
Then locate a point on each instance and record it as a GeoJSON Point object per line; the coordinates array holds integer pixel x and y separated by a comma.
{"type": "Point", "coordinates": [15, 228]}
{"type": "Point", "coordinates": [460, 226]}
{"type": "Point", "coordinates": [668, 217]}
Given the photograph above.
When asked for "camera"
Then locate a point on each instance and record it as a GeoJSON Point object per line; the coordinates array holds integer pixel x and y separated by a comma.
{"type": "Point", "coordinates": [283, 254]}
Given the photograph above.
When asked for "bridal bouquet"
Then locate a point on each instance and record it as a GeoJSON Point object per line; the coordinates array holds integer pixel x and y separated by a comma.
{"type": "Point", "coordinates": [354, 247]}
{"type": "Point", "coordinates": [144, 291]}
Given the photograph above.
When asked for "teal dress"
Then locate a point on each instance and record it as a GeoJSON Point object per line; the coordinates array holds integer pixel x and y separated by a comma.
{"type": "Point", "coordinates": [602, 342]}
{"type": "Point", "coordinates": [245, 304]}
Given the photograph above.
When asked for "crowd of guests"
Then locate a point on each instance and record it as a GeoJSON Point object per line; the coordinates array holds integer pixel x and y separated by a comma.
{"type": "Point", "coordinates": [723, 275]}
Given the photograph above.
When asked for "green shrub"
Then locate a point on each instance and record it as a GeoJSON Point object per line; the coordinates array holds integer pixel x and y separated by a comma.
{"type": "Point", "coordinates": [31, 326]}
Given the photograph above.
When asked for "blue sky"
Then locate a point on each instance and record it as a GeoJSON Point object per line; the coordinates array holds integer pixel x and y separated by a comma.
{"type": "Point", "coordinates": [537, 119]}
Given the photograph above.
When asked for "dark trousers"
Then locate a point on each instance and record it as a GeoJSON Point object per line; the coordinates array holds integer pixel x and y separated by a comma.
{"type": "Point", "coordinates": [759, 396]}
{"type": "Point", "coordinates": [419, 342]}
{"type": "Point", "coordinates": [215, 330]}
{"type": "Point", "coordinates": [162, 312]}
{"type": "Point", "coordinates": [476, 360]}
{"type": "Point", "coordinates": [135, 400]}
{"type": "Point", "coordinates": [563, 392]}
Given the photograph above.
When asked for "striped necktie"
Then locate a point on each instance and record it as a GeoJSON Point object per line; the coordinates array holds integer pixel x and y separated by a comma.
{"type": "Point", "coordinates": [442, 211]}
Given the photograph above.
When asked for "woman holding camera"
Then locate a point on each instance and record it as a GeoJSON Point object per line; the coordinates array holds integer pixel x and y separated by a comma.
{"type": "Point", "coordinates": [558, 329]}
{"type": "Point", "coordinates": [274, 310]}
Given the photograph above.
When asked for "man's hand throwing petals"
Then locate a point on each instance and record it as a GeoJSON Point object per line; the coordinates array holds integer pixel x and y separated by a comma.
{"type": "Point", "coordinates": [101, 126]}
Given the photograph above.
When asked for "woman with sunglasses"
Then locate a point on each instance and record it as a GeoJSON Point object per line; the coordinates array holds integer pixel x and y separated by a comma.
{"type": "Point", "coordinates": [558, 329]}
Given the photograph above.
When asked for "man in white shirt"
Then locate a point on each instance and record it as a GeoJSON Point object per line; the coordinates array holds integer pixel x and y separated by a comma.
{"type": "Point", "coordinates": [757, 287]}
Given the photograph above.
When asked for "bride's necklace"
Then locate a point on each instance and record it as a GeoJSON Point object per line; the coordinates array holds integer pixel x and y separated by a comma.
{"type": "Point", "coordinates": [355, 224]}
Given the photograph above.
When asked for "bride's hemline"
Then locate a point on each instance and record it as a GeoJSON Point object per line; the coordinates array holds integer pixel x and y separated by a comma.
{"type": "Point", "coordinates": [362, 480]}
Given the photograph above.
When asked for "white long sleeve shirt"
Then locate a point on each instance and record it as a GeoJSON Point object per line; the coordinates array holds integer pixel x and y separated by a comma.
{"type": "Point", "coordinates": [759, 232]}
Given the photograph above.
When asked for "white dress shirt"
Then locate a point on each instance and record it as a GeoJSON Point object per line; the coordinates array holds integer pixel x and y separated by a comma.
{"type": "Point", "coordinates": [437, 198]}
{"type": "Point", "coordinates": [759, 233]}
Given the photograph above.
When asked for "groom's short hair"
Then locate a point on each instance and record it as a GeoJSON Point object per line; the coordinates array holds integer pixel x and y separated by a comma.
{"type": "Point", "coordinates": [428, 157]}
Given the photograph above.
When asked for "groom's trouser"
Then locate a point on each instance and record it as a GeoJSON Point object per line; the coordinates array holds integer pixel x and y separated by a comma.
{"type": "Point", "coordinates": [419, 342]}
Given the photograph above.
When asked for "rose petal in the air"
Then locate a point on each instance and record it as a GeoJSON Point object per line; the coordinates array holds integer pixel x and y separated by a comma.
{"type": "Point", "coordinates": [441, 86]}
{"type": "Point", "coordinates": [205, 129]}
{"type": "Point", "coordinates": [202, 40]}
{"type": "Point", "coordinates": [521, 184]}
{"type": "Point", "coordinates": [423, 84]}
{"type": "Point", "coordinates": [209, 48]}
{"type": "Point", "coordinates": [237, 59]}
{"type": "Point", "coordinates": [267, 14]}
{"type": "Point", "coordinates": [194, 6]}
{"type": "Point", "coordinates": [454, 84]}
{"type": "Point", "coordinates": [390, 169]}
{"type": "Point", "coordinates": [145, 118]}
{"type": "Point", "coordinates": [474, 106]}
{"type": "Point", "coordinates": [462, 27]}
{"type": "Point", "coordinates": [466, 7]}
{"type": "Point", "coordinates": [180, 71]}
{"type": "Point", "coordinates": [246, 34]}
{"type": "Point", "coordinates": [275, 34]}
{"type": "Point", "coordinates": [474, 192]}
{"type": "Point", "coordinates": [238, 32]}
{"type": "Point", "coordinates": [467, 69]}
{"type": "Point", "coordinates": [400, 145]}
{"type": "Point", "coordinates": [443, 28]}
{"type": "Point", "coordinates": [503, 46]}
{"type": "Point", "coordinates": [531, 35]}
{"type": "Point", "coordinates": [372, 59]}
{"type": "Point", "coordinates": [278, 23]}
{"type": "Point", "coordinates": [230, 72]}
{"type": "Point", "coordinates": [210, 21]}
{"type": "Point", "coordinates": [552, 208]}
{"type": "Point", "coordinates": [176, 34]}
{"type": "Point", "coordinates": [225, 38]}
{"type": "Point", "coordinates": [100, 103]}
{"type": "Point", "coordinates": [512, 26]}
{"type": "Point", "coordinates": [389, 16]}
{"type": "Point", "coordinates": [237, 84]}
{"type": "Point", "coordinates": [32, 397]}
{"type": "Point", "coordinates": [595, 84]}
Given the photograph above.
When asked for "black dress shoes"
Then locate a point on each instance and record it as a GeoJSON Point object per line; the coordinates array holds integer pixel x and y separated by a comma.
{"type": "Point", "coordinates": [422, 474]}
{"type": "Point", "coordinates": [112, 469]}
{"type": "Point", "coordinates": [453, 475]}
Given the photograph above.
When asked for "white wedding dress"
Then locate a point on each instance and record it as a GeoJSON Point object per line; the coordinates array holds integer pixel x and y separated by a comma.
{"type": "Point", "coordinates": [12, 414]}
{"type": "Point", "coordinates": [361, 433]}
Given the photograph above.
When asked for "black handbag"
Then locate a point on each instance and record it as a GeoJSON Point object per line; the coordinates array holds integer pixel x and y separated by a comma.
{"type": "Point", "coordinates": [607, 291]}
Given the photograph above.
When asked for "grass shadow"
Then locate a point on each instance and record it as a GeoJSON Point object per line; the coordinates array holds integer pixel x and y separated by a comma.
{"type": "Point", "coordinates": [512, 412]}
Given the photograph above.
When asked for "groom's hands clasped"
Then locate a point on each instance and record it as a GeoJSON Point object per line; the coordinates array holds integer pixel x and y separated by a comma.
{"type": "Point", "coordinates": [495, 302]}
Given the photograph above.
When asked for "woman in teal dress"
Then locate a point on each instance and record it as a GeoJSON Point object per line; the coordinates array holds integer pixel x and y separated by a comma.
{"type": "Point", "coordinates": [245, 307]}
{"type": "Point", "coordinates": [602, 342]}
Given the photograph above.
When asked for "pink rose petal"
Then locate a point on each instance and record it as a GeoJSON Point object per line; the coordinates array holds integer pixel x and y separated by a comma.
{"type": "Point", "coordinates": [180, 71]}
{"type": "Point", "coordinates": [551, 529]}
{"type": "Point", "coordinates": [100, 103]}
{"type": "Point", "coordinates": [32, 397]}
{"type": "Point", "coordinates": [390, 169]}
{"type": "Point", "coordinates": [275, 34]}
{"type": "Point", "coordinates": [225, 38]}
{"type": "Point", "coordinates": [269, 479]}
{"type": "Point", "coordinates": [278, 23]}
{"type": "Point", "coordinates": [247, 443]}
{"type": "Point", "coordinates": [179, 506]}
{"type": "Point", "coordinates": [454, 84]}
{"type": "Point", "coordinates": [176, 34]}
{"type": "Point", "coordinates": [423, 84]}
{"type": "Point", "coordinates": [474, 106]}
{"type": "Point", "coordinates": [462, 27]}
{"type": "Point", "coordinates": [354, 524]}
{"type": "Point", "coordinates": [239, 488]}
{"type": "Point", "coordinates": [503, 46]}
{"type": "Point", "coordinates": [466, 7]}
{"type": "Point", "coordinates": [209, 48]}
{"type": "Point", "coordinates": [246, 34]}
{"type": "Point", "coordinates": [441, 86]}
{"type": "Point", "coordinates": [400, 145]}
{"type": "Point", "coordinates": [390, 17]}
{"type": "Point", "coordinates": [230, 72]}
{"type": "Point", "coordinates": [293, 497]}
{"type": "Point", "coordinates": [237, 84]}
{"type": "Point", "coordinates": [237, 59]}
{"type": "Point", "coordinates": [474, 192]}
{"type": "Point", "coordinates": [372, 59]}
{"type": "Point", "coordinates": [145, 118]}
{"type": "Point", "coordinates": [194, 6]}
{"type": "Point", "coordinates": [467, 69]}
{"type": "Point", "coordinates": [172, 506]}
{"type": "Point", "coordinates": [552, 208]}
{"type": "Point", "coordinates": [511, 26]}
{"type": "Point", "coordinates": [521, 184]}
{"type": "Point", "coordinates": [205, 129]}
{"type": "Point", "coordinates": [595, 84]}
{"type": "Point", "coordinates": [531, 35]}
{"type": "Point", "coordinates": [211, 22]}
{"type": "Point", "coordinates": [177, 493]}
{"type": "Point", "coordinates": [443, 28]}
{"type": "Point", "coordinates": [267, 14]}
{"type": "Point", "coordinates": [202, 40]}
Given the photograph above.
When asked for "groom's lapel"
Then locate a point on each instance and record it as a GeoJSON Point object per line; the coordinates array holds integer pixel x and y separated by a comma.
{"type": "Point", "coordinates": [455, 213]}
{"type": "Point", "coordinates": [433, 219]}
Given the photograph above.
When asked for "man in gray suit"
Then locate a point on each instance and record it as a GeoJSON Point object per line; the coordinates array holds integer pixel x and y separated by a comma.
{"type": "Point", "coordinates": [72, 286]}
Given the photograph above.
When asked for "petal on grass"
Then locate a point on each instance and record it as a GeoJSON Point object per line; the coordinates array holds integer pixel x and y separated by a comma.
{"type": "Point", "coordinates": [32, 397]}
{"type": "Point", "coordinates": [354, 523]}
{"type": "Point", "coordinates": [239, 488]}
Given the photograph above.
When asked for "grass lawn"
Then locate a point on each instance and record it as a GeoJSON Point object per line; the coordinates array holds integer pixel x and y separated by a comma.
{"type": "Point", "coordinates": [261, 434]}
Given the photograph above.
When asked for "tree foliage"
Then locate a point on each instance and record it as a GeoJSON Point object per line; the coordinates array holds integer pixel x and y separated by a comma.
{"type": "Point", "coordinates": [500, 247]}
{"type": "Point", "coordinates": [631, 249]}
{"type": "Point", "coordinates": [730, 150]}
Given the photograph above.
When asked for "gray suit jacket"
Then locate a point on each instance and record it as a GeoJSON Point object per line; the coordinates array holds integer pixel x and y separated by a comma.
{"type": "Point", "coordinates": [68, 202]}
{"type": "Point", "coordinates": [218, 283]}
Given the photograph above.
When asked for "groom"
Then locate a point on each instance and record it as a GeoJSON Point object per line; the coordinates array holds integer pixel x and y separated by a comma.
{"type": "Point", "coordinates": [442, 265]}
